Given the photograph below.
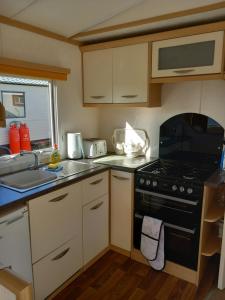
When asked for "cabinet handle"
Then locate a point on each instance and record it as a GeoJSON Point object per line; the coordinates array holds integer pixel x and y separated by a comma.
{"type": "Point", "coordinates": [96, 182]}
{"type": "Point", "coordinates": [59, 198]}
{"type": "Point", "coordinates": [183, 71]}
{"type": "Point", "coordinates": [120, 177]}
{"type": "Point", "coordinates": [97, 97]}
{"type": "Point", "coordinates": [60, 255]}
{"type": "Point", "coordinates": [97, 206]}
{"type": "Point", "coordinates": [129, 96]}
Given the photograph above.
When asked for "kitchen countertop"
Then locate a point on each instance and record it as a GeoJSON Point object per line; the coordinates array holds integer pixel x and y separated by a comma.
{"type": "Point", "coordinates": [124, 163]}
{"type": "Point", "coordinates": [10, 198]}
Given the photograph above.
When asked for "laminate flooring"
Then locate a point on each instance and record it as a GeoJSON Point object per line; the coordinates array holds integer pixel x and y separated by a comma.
{"type": "Point", "coordinates": [115, 276]}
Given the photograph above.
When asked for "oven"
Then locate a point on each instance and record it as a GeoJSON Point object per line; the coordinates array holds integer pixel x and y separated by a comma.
{"type": "Point", "coordinates": [181, 222]}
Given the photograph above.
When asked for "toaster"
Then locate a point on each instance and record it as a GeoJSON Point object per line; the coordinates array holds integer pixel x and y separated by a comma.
{"type": "Point", "coordinates": [94, 147]}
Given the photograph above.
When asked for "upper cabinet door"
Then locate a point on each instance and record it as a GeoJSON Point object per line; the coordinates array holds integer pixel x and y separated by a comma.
{"type": "Point", "coordinates": [97, 76]}
{"type": "Point", "coordinates": [130, 74]}
{"type": "Point", "coordinates": [191, 55]}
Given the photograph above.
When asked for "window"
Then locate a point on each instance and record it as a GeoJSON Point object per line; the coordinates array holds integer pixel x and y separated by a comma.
{"type": "Point", "coordinates": [28, 101]}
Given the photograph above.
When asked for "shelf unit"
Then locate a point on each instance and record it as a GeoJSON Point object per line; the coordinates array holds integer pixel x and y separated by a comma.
{"type": "Point", "coordinates": [212, 211]}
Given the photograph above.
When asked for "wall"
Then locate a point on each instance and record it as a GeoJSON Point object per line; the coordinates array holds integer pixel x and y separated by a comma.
{"type": "Point", "coordinates": [24, 45]}
{"type": "Point", "coordinates": [206, 97]}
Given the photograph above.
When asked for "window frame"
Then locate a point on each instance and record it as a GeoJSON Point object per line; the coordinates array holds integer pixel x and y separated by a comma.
{"type": "Point", "coordinates": [52, 88]}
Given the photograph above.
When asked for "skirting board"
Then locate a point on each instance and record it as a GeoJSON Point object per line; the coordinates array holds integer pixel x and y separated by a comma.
{"type": "Point", "coordinates": [120, 250]}
{"type": "Point", "coordinates": [170, 268]}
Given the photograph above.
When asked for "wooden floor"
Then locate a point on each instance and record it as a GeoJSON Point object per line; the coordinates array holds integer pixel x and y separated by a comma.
{"type": "Point", "coordinates": [115, 276]}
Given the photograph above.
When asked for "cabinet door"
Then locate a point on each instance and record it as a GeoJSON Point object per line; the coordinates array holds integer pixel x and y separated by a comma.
{"type": "Point", "coordinates": [190, 55]}
{"type": "Point", "coordinates": [97, 76]}
{"type": "Point", "coordinates": [95, 228]}
{"type": "Point", "coordinates": [122, 191]}
{"type": "Point", "coordinates": [130, 74]}
{"type": "Point", "coordinates": [54, 269]}
{"type": "Point", "coordinates": [54, 219]}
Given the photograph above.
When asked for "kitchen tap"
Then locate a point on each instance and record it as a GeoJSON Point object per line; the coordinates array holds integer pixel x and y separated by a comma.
{"type": "Point", "coordinates": [22, 153]}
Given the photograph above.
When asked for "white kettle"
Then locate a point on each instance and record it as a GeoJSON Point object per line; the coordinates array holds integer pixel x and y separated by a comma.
{"type": "Point", "coordinates": [74, 145]}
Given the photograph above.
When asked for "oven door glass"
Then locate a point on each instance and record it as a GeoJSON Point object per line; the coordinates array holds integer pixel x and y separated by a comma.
{"type": "Point", "coordinates": [181, 245]}
{"type": "Point", "coordinates": [179, 212]}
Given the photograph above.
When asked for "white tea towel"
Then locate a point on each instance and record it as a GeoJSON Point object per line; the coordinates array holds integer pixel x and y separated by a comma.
{"type": "Point", "coordinates": [152, 242]}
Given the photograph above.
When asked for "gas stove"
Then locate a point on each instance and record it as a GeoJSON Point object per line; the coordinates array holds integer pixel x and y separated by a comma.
{"type": "Point", "coordinates": [175, 178]}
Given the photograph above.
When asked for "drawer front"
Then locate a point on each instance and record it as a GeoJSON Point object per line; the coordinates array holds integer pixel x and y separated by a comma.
{"type": "Point", "coordinates": [50, 272]}
{"type": "Point", "coordinates": [54, 219]}
{"type": "Point", "coordinates": [95, 227]}
{"type": "Point", "coordinates": [94, 187]}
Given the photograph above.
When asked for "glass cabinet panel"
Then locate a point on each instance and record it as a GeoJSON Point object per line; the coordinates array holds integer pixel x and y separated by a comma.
{"type": "Point", "coordinates": [191, 55]}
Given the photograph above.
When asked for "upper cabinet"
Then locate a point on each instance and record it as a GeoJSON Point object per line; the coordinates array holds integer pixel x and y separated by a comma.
{"type": "Point", "coordinates": [191, 55]}
{"type": "Point", "coordinates": [97, 76]}
{"type": "Point", "coordinates": [130, 74]}
{"type": "Point", "coordinates": [119, 76]}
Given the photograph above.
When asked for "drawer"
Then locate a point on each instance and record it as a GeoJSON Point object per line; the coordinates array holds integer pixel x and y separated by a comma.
{"type": "Point", "coordinates": [53, 270]}
{"type": "Point", "coordinates": [95, 186]}
{"type": "Point", "coordinates": [54, 219]}
{"type": "Point", "coordinates": [95, 227]}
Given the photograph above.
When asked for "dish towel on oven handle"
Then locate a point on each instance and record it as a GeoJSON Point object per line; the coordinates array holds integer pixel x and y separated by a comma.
{"type": "Point", "coordinates": [152, 242]}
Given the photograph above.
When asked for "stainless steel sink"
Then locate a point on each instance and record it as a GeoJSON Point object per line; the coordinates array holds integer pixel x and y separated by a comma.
{"type": "Point", "coordinates": [27, 179]}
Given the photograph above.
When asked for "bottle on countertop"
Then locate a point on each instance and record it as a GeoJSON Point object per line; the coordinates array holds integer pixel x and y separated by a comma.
{"type": "Point", "coordinates": [55, 156]}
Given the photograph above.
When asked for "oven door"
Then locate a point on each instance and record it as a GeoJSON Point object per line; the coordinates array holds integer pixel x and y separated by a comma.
{"type": "Point", "coordinates": [181, 244]}
{"type": "Point", "coordinates": [178, 211]}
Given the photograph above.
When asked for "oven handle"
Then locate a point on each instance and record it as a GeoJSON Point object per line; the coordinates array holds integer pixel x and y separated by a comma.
{"type": "Point", "coordinates": [153, 203]}
{"type": "Point", "coordinates": [192, 231]}
{"type": "Point", "coordinates": [168, 197]}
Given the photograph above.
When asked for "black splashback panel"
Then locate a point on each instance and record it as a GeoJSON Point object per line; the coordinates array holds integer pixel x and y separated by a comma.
{"type": "Point", "coordinates": [191, 137]}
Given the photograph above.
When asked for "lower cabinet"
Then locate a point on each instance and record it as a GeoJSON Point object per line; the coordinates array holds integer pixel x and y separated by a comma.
{"type": "Point", "coordinates": [51, 271]}
{"type": "Point", "coordinates": [122, 190]}
{"type": "Point", "coordinates": [68, 228]}
{"type": "Point", "coordinates": [95, 227]}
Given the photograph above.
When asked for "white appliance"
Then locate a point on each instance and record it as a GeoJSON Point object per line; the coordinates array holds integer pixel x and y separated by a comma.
{"type": "Point", "coordinates": [74, 145]}
{"type": "Point", "coordinates": [130, 141]}
{"type": "Point", "coordinates": [94, 147]}
{"type": "Point", "coordinates": [15, 243]}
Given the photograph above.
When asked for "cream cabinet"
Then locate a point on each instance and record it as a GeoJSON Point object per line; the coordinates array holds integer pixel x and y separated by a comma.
{"type": "Point", "coordinates": [95, 227]}
{"type": "Point", "coordinates": [94, 187]}
{"type": "Point", "coordinates": [122, 190]}
{"type": "Point", "coordinates": [54, 219]}
{"type": "Point", "coordinates": [97, 76]}
{"type": "Point", "coordinates": [68, 228]}
{"type": "Point", "coordinates": [130, 74]}
{"type": "Point", "coordinates": [189, 55]}
{"type": "Point", "coordinates": [54, 269]}
{"type": "Point", "coordinates": [119, 76]}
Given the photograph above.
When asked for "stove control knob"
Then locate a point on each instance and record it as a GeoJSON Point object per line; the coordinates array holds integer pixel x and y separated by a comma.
{"type": "Point", "coordinates": [148, 182]}
{"type": "Point", "coordinates": [174, 187]}
{"type": "Point", "coordinates": [181, 189]}
{"type": "Point", "coordinates": [142, 181]}
{"type": "Point", "coordinates": [154, 183]}
{"type": "Point", "coordinates": [189, 191]}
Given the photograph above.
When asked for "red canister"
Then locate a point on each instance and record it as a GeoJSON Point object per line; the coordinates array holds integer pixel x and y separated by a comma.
{"type": "Point", "coordinates": [14, 139]}
{"type": "Point", "coordinates": [24, 137]}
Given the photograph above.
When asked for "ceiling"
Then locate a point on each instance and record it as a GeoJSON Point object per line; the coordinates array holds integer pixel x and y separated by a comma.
{"type": "Point", "coordinates": [69, 17]}
{"type": "Point", "coordinates": [65, 17]}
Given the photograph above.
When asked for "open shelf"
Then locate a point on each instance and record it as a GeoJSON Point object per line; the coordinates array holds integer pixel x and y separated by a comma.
{"type": "Point", "coordinates": [214, 214]}
{"type": "Point", "coordinates": [212, 246]}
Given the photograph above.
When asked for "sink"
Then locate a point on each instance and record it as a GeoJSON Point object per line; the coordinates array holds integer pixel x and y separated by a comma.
{"type": "Point", "coordinates": [27, 179]}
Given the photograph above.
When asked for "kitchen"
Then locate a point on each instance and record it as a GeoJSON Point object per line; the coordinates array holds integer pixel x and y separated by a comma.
{"type": "Point", "coordinates": [204, 96]}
